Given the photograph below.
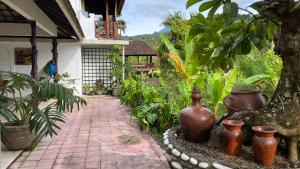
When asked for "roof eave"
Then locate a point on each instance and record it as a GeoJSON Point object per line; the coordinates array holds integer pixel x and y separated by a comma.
{"type": "Point", "coordinates": [69, 12]}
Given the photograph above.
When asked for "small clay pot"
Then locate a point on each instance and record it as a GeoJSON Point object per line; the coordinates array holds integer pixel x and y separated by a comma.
{"type": "Point", "coordinates": [196, 121]}
{"type": "Point", "coordinates": [264, 145]}
{"type": "Point", "coordinates": [3, 83]}
{"type": "Point", "coordinates": [245, 99]}
{"type": "Point", "coordinates": [232, 137]}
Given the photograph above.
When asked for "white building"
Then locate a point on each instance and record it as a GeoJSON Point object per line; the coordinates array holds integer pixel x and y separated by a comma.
{"type": "Point", "coordinates": [83, 43]}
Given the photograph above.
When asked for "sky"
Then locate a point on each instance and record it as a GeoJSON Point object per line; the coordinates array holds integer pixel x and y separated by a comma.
{"type": "Point", "coordinates": [146, 16]}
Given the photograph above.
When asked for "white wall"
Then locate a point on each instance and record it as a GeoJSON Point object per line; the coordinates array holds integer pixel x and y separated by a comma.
{"type": "Point", "coordinates": [69, 59]}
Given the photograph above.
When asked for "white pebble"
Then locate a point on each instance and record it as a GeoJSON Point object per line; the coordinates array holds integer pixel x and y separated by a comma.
{"type": "Point", "coordinates": [165, 137]}
{"type": "Point", "coordinates": [193, 161]}
{"type": "Point", "coordinates": [176, 165]}
{"type": "Point", "coordinates": [219, 166]}
{"type": "Point", "coordinates": [203, 165]}
{"type": "Point", "coordinates": [170, 146]}
{"type": "Point", "coordinates": [175, 152]}
{"type": "Point", "coordinates": [166, 142]}
{"type": "Point", "coordinates": [184, 157]}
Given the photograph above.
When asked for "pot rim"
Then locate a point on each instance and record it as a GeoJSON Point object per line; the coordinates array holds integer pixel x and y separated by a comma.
{"type": "Point", "coordinates": [226, 102]}
{"type": "Point", "coordinates": [264, 129]}
{"type": "Point", "coordinates": [245, 91]}
{"type": "Point", "coordinates": [235, 123]}
{"type": "Point", "coordinates": [12, 126]}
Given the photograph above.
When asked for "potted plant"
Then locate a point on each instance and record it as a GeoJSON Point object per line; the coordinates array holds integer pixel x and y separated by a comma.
{"type": "Point", "coordinates": [116, 72]}
{"type": "Point", "coordinates": [99, 87]}
{"type": "Point", "coordinates": [25, 120]}
{"type": "Point", "coordinates": [88, 89]}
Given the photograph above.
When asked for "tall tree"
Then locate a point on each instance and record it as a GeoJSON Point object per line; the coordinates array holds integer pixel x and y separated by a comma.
{"type": "Point", "coordinates": [222, 38]}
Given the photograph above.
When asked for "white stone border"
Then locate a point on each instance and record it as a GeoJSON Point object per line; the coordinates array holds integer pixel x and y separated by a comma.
{"type": "Point", "coordinates": [173, 154]}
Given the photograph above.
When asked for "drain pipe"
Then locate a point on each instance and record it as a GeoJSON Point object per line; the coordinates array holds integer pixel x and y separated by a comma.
{"type": "Point", "coordinates": [123, 62]}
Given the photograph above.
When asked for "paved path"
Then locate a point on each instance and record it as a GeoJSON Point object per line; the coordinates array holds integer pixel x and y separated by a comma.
{"type": "Point", "coordinates": [102, 135]}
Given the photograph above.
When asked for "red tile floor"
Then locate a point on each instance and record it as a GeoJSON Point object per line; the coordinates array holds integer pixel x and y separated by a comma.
{"type": "Point", "coordinates": [90, 139]}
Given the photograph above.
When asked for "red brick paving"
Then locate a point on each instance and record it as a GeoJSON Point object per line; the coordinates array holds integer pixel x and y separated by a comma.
{"type": "Point", "coordinates": [89, 140]}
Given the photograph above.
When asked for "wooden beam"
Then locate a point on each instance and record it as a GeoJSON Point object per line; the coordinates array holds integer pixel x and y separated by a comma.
{"type": "Point", "coordinates": [107, 22]}
{"type": "Point", "coordinates": [31, 11]}
{"type": "Point", "coordinates": [54, 58]}
{"type": "Point", "coordinates": [34, 52]}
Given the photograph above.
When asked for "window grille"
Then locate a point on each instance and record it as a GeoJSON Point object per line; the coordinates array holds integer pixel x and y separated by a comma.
{"type": "Point", "coordinates": [96, 66]}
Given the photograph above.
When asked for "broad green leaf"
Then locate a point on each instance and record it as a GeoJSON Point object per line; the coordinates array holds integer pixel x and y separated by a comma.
{"type": "Point", "coordinates": [256, 78]}
{"type": "Point", "coordinates": [256, 6]}
{"type": "Point", "coordinates": [229, 83]}
{"type": "Point", "coordinates": [192, 2]}
{"type": "Point", "coordinates": [194, 31]}
{"type": "Point", "coordinates": [231, 9]}
{"type": "Point", "coordinates": [206, 5]}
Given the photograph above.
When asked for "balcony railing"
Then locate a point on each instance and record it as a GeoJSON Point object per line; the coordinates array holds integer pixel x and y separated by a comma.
{"type": "Point", "coordinates": [144, 67]}
{"type": "Point", "coordinates": [113, 33]}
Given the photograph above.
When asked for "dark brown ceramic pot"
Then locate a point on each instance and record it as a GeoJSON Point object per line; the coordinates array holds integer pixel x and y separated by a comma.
{"type": "Point", "coordinates": [264, 145]}
{"type": "Point", "coordinates": [3, 83]}
{"type": "Point", "coordinates": [232, 136]}
{"type": "Point", "coordinates": [245, 99]}
{"type": "Point", "coordinates": [196, 121]}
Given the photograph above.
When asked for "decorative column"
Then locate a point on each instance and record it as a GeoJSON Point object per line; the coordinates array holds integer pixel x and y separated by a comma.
{"type": "Point", "coordinates": [34, 69]}
{"type": "Point", "coordinates": [54, 57]}
{"type": "Point", "coordinates": [34, 51]}
{"type": "Point", "coordinates": [107, 22]}
{"type": "Point", "coordinates": [115, 23]}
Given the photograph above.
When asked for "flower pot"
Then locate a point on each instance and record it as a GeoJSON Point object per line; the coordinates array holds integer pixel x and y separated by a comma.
{"type": "Point", "coordinates": [17, 137]}
{"type": "Point", "coordinates": [196, 121]}
{"type": "Point", "coordinates": [117, 91]}
{"type": "Point", "coordinates": [3, 83]}
{"type": "Point", "coordinates": [264, 145]}
{"type": "Point", "coordinates": [245, 99]}
{"type": "Point", "coordinates": [232, 136]}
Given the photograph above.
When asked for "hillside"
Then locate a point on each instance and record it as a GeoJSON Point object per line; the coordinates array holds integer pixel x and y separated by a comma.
{"type": "Point", "coordinates": [151, 39]}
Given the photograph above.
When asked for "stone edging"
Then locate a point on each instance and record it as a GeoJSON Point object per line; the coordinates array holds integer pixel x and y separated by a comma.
{"type": "Point", "coordinates": [180, 160]}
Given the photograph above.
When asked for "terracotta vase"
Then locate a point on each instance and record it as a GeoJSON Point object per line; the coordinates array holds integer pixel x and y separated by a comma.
{"type": "Point", "coordinates": [264, 145]}
{"type": "Point", "coordinates": [245, 99]}
{"type": "Point", "coordinates": [232, 137]}
{"type": "Point", "coordinates": [3, 83]}
{"type": "Point", "coordinates": [196, 121]}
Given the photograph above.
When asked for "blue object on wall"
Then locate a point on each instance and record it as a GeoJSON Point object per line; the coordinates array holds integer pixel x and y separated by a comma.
{"type": "Point", "coordinates": [52, 69]}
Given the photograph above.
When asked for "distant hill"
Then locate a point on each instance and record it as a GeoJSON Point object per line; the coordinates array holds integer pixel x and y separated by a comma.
{"type": "Point", "coordinates": [151, 39]}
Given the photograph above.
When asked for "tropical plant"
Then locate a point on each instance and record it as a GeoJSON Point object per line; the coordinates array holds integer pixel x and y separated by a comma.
{"type": "Point", "coordinates": [19, 110]}
{"type": "Point", "coordinates": [115, 58]}
{"type": "Point", "coordinates": [226, 36]}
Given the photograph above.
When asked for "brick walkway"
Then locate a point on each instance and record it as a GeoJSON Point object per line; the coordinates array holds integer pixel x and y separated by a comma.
{"type": "Point", "coordinates": [102, 135]}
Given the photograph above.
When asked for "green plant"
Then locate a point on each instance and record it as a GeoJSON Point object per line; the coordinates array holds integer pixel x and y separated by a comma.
{"type": "Point", "coordinates": [227, 35]}
{"type": "Point", "coordinates": [115, 58]}
{"type": "Point", "coordinates": [19, 110]}
{"type": "Point", "coordinates": [87, 88]}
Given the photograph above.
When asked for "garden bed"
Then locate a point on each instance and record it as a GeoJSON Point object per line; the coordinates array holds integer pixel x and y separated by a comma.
{"type": "Point", "coordinates": [183, 154]}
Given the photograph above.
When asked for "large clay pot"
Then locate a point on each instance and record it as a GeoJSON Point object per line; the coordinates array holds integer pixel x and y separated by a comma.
{"type": "Point", "coordinates": [3, 83]}
{"type": "Point", "coordinates": [245, 99]}
{"type": "Point", "coordinates": [17, 137]}
{"type": "Point", "coordinates": [264, 145]}
{"type": "Point", "coordinates": [196, 121]}
{"type": "Point", "coordinates": [232, 136]}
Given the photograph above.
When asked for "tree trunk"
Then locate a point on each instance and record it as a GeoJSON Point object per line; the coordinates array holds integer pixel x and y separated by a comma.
{"type": "Point", "coordinates": [293, 149]}
{"type": "Point", "coordinates": [284, 105]}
